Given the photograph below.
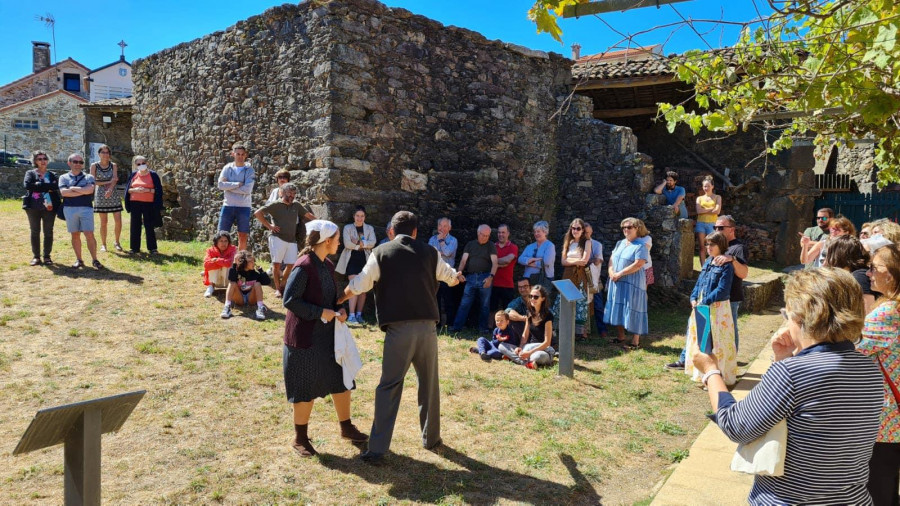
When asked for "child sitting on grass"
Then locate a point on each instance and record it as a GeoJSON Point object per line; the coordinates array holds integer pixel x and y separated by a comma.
{"type": "Point", "coordinates": [503, 334]}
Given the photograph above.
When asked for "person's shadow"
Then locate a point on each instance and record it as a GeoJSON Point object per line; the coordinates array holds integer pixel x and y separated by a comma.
{"type": "Point", "coordinates": [477, 483]}
{"type": "Point", "coordinates": [89, 272]}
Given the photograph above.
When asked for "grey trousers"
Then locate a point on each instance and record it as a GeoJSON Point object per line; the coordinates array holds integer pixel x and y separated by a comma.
{"type": "Point", "coordinates": [407, 343]}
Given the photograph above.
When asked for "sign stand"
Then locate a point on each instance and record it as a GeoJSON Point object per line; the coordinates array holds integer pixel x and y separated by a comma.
{"type": "Point", "coordinates": [79, 427]}
{"type": "Point", "coordinates": [570, 294]}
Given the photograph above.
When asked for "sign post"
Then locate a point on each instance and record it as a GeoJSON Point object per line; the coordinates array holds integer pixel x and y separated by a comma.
{"type": "Point", "coordinates": [569, 295]}
{"type": "Point", "coordinates": [79, 426]}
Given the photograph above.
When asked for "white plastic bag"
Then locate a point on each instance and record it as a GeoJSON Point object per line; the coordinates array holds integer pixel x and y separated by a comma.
{"type": "Point", "coordinates": [765, 456]}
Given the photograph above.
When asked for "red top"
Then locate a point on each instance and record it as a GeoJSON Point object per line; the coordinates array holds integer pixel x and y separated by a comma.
{"type": "Point", "coordinates": [145, 181]}
{"type": "Point", "coordinates": [504, 276]}
{"type": "Point", "coordinates": [216, 259]}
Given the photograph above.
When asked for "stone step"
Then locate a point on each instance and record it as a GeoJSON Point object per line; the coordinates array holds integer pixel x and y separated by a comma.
{"type": "Point", "coordinates": [762, 291]}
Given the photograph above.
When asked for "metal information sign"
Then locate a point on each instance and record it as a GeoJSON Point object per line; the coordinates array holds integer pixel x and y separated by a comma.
{"type": "Point", "coordinates": [570, 294]}
{"type": "Point", "coordinates": [79, 427]}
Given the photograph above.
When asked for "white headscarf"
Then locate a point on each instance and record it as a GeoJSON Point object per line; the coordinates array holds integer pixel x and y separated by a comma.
{"type": "Point", "coordinates": [325, 228]}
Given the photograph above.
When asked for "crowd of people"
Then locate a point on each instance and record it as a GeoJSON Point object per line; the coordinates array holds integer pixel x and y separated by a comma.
{"type": "Point", "coordinates": [837, 357]}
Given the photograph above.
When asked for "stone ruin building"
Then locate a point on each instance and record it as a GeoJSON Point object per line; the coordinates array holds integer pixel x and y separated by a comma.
{"type": "Point", "coordinates": [377, 106]}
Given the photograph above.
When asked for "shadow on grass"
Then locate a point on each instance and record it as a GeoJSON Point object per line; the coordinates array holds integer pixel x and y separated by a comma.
{"type": "Point", "coordinates": [88, 272]}
{"type": "Point", "coordinates": [476, 483]}
{"type": "Point", "coordinates": [162, 259]}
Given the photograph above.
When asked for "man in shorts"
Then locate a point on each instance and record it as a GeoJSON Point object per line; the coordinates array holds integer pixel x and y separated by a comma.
{"type": "Point", "coordinates": [237, 180]}
{"type": "Point", "coordinates": [77, 188]}
{"type": "Point", "coordinates": [282, 233]}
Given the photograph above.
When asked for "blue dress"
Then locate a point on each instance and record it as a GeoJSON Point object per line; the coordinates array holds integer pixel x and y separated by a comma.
{"type": "Point", "coordinates": [626, 300]}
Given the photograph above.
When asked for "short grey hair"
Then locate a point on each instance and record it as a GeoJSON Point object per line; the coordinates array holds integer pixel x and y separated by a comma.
{"type": "Point", "coordinates": [73, 155]}
{"type": "Point", "coordinates": [288, 187]}
{"type": "Point", "coordinates": [484, 226]}
{"type": "Point", "coordinates": [541, 225]}
{"type": "Point", "coordinates": [727, 219]}
{"type": "Point", "coordinates": [445, 219]}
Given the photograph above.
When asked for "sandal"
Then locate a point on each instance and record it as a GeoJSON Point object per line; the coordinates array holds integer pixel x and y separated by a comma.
{"type": "Point", "coordinates": [618, 341]}
{"type": "Point", "coordinates": [631, 347]}
{"type": "Point", "coordinates": [77, 265]}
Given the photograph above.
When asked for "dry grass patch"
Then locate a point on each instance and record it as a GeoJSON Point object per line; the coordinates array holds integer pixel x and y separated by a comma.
{"type": "Point", "coordinates": [214, 425]}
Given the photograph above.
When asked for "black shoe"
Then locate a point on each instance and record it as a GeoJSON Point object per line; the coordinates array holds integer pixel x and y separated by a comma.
{"type": "Point", "coordinates": [97, 265]}
{"type": "Point", "coordinates": [48, 261]}
{"type": "Point", "coordinates": [77, 265]}
{"type": "Point", "coordinates": [372, 458]}
{"type": "Point", "coordinates": [485, 357]}
{"type": "Point", "coordinates": [675, 366]}
{"type": "Point", "coordinates": [35, 261]}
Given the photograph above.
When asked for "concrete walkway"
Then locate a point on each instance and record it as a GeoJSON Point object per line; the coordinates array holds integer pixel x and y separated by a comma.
{"type": "Point", "coordinates": [705, 476]}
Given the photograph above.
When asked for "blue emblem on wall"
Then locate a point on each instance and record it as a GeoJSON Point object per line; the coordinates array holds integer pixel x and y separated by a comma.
{"type": "Point", "coordinates": [123, 72]}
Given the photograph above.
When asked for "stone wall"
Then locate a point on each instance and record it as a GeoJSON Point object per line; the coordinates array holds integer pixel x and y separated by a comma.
{"type": "Point", "coordinates": [116, 135]}
{"type": "Point", "coordinates": [377, 106]}
{"type": "Point", "coordinates": [61, 126]}
{"type": "Point", "coordinates": [41, 83]}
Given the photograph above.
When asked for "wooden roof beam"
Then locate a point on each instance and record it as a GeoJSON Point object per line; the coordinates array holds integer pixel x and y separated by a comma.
{"type": "Point", "coordinates": [586, 9]}
{"type": "Point", "coordinates": [624, 113]}
{"type": "Point", "coordinates": [625, 82]}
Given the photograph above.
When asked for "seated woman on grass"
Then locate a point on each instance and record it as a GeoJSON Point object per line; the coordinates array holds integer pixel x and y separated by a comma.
{"type": "Point", "coordinates": [535, 349]}
{"type": "Point", "coordinates": [217, 262]}
{"type": "Point", "coordinates": [504, 335]}
{"type": "Point", "coordinates": [245, 285]}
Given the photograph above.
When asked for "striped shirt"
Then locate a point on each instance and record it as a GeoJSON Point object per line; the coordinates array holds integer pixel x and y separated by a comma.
{"type": "Point", "coordinates": [831, 397]}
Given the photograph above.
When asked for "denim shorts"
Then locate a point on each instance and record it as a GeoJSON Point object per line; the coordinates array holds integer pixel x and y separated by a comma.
{"type": "Point", "coordinates": [704, 228]}
{"type": "Point", "coordinates": [233, 214]}
{"type": "Point", "coordinates": [79, 219]}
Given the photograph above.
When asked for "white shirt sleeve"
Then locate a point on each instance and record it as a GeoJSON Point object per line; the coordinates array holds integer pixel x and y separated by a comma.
{"type": "Point", "coordinates": [366, 279]}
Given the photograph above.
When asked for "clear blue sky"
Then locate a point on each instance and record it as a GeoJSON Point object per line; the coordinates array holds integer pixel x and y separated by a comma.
{"type": "Point", "coordinates": [89, 31]}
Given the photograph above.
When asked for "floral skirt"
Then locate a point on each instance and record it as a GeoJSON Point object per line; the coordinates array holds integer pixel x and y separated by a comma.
{"type": "Point", "coordinates": [722, 333]}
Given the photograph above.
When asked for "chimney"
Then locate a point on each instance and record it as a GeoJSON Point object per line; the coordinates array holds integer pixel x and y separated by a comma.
{"type": "Point", "coordinates": [576, 51]}
{"type": "Point", "coordinates": [40, 54]}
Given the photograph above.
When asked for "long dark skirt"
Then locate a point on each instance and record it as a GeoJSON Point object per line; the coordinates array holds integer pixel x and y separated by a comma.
{"type": "Point", "coordinates": [312, 373]}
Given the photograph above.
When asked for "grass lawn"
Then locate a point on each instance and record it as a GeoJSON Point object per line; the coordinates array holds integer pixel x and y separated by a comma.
{"type": "Point", "coordinates": [215, 426]}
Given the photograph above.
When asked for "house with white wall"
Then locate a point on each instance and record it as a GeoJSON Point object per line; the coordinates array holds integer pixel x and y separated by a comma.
{"type": "Point", "coordinates": [110, 81]}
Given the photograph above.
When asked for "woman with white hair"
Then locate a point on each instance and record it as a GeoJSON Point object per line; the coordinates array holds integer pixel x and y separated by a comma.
{"type": "Point", "coordinates": [310, 369]}
{"type": "Point", "coordinates": [539, 256]}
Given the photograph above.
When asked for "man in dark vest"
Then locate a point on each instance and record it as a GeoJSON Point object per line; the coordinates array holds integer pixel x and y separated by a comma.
{"type": "Point", "coordinates": [405, 273]}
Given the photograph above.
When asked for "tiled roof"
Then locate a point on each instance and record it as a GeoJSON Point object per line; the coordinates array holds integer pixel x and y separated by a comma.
{"type": "Point", "coordinates": [42, 97]}
{"type": "Point", "coordinates": [654, 66]}
{"type": "Point", "coordinates": [111, 102]}
{"type": "Point", "coordinates": [636, 52]}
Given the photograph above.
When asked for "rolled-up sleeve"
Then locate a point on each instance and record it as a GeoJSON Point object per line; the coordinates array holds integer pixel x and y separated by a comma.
{"type": "Point", "coordinates": [366, 279]}
{"type": "Point", "coordinates": [445, 273]}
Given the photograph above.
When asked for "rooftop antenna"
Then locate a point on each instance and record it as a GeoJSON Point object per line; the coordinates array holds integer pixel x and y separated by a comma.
{"type": "Point", "coordinates": [50, 22]}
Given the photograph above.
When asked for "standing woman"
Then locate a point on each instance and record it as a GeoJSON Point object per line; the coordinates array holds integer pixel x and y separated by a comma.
{"type": "Point", "coordinates": [107, 198]}
{"type": "Point", "coordinates": [310, 370]}
{"type": "Point", "coordinates": [713, 289]}
{"type": "Point", "coordinates": [709, 205]}
{"type": "Point", "coordinates": [40, 203]}
{"type": "Point", "coordinates": [881, 341]}
{"type": "Point", "coordinates": [359, 239]}
{"type": "Point", "coordinates": [143, 199]}
{"type": "Point", "coordinates": [576, 256]}
{"type": "Point", "coordinates": [539, 256]}
{"type": "Point", "coordinates": [626, 299]}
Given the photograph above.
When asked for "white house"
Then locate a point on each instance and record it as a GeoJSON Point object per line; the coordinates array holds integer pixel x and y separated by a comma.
{"type": "Point", "coordinates": [110, 81]}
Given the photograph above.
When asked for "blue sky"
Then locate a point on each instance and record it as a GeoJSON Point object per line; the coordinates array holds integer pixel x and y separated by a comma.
{"type": "Point", "coordinates": [89, 31]}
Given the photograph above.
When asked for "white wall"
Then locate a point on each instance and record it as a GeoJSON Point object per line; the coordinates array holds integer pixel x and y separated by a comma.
{"type": "Point", "coordinates": [109, 83]}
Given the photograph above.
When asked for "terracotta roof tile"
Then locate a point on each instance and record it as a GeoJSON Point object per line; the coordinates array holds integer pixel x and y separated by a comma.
{"type": "Point", "coordinates": [655, 65]}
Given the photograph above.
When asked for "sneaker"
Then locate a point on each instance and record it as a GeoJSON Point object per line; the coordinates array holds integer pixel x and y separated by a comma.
{"type": "Point", "coordinates": [485, 357]}
{"type": "Point", "coordinates": [78, 264]}
{"type": "Point", "coordinates": [675, 366]}
{"type": "Point", "coordinates": [35, 261]}
{"type": "Point", "coordinates": [261, 313]}
{"type": "Point", "coordinates": [209, 291]}
{"type": "Point", "coordinates": [226, 313]}
{"type": "Point", "coordinates": [102, 249]}
{"type": "Point", "coordinates": [518, 361]}
{"type": "Point", "coordinates": [530, 365]}
{"type": "Point", "coordinates": [277, 294]}
{"type": "Point", "coordinates": [359, 319]}
{"type": "Point", "coordinates": [48, 261]}
{"type": "Point", "coordinates": [154, 252]}
{"type": "Point", "coordinates": [97, 265]}
{"type": "Point", "coordinates": [118, 247]}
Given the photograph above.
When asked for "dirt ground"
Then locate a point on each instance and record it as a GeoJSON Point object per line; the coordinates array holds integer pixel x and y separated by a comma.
{"type": "Point", "coordinates": [214, 426]}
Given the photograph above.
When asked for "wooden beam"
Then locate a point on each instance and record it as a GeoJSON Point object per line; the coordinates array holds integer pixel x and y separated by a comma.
{"type": "Point", "coordinates": [624, 82]}
{"type": "Point", "coordinates": [586, 9]}
{"type": "Point", "coordinates": [624, 113]}
{"type": "Point", "coordinates": [769, 116]}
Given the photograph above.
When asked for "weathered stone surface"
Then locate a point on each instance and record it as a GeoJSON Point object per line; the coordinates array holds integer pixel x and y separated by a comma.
{"type": "Point", "coordinates": [60, 126]}
{"type": "Point", "coordinates": [376, 106]}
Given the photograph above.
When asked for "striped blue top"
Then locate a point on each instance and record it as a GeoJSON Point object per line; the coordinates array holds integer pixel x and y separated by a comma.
{"type": "Point", "coordinates": [831, 396]}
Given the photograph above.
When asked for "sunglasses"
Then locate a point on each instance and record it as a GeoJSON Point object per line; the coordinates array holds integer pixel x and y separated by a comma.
{"type": "Point", "coordinates": [41, 159]}
{"type": "Point", "coordinates": [822, 218]}
{"type": "Point", "coordinates": [627, 227]}
{"type": "Point", "coordinates": [536, 297]}
{"type": "Point", "coordinates": [77, 162]}
{"type": "Point", "coordinates": [721, 227]}
{"type": "Point", "coordinates": [576, 228]}
{"type": "Point", "coordinates": [103, 152]}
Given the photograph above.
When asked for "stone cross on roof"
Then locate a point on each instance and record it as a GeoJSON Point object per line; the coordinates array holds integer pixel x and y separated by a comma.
{"type": "Point", "coordinates": [122, 45]}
